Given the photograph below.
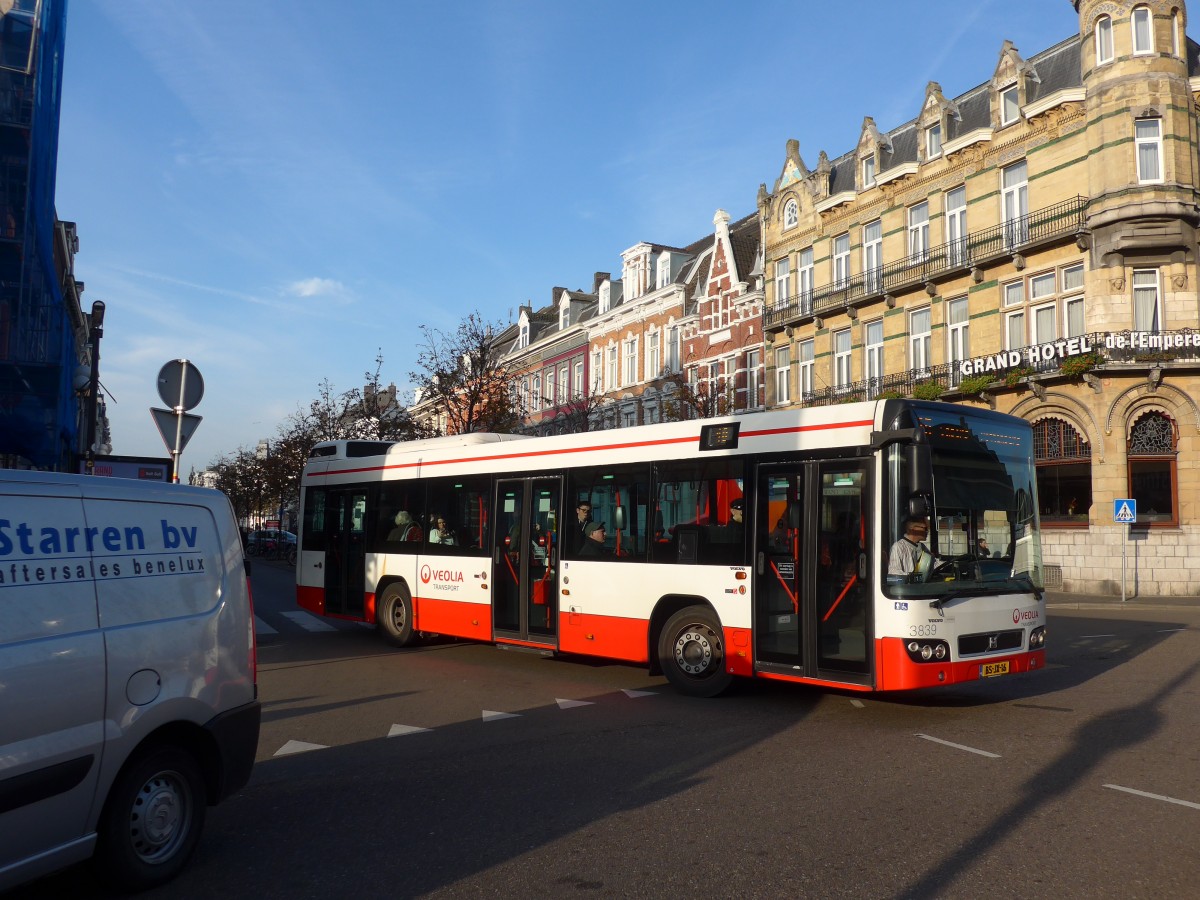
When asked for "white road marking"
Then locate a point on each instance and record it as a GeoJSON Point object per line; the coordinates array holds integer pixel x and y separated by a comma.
{"type": "Point", "coordinates": [633, 695]}
{"type": "Point", "coordinates": [299, 747]}
{"type": "Point", "coordinates": [1117, 787]}
{"type": "Point", "coordinates": [858, 704]}
{"type": "Point", "coordinates": [1170, 630]}
{"type": "Point", "coordinates": [1087, 636]}
{"type": "Point", "coordinates": [571, 704]}
{"type": "Point", "coordinates": [400, 730]}
{"type": "Point", "coordinates": [308, 621]}
{"type": "Point", "coordinates": [960, 746]}
{"type": "Point", "coordinates": [490, 715]}
{"type": "Point", "coordinates": [261, 627]}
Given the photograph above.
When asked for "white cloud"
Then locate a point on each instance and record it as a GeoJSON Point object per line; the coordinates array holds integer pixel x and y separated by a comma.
{"type": "Point", "coordinates": [317, 287]}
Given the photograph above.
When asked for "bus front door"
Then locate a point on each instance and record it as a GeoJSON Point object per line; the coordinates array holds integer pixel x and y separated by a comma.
{"type": "Point", "coordinates": [525, 560]}
{"type": "Point", "coordinates": [345, 552]}
{"type": "Point", "coordinates": [812, 574]}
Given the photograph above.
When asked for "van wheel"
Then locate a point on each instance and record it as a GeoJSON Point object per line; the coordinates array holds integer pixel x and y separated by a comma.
{"type": "Point", "coordinates": [691, 652]}
{"type": "Point", "coordinates": [152, 820]}
{"type": "Point", "coordinates": [394, 616]}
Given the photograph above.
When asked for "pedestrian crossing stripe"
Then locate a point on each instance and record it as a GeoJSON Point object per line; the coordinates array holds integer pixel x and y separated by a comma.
{"type": "Point", "coordinates": [308, 621]}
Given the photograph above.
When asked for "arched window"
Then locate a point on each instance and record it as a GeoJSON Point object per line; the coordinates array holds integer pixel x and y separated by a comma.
{"type": "Point", "coordinates": [1153, 444]}
{"type": "Point", "coordinates": [1064, 472]}
{"type": "Point", "coordinates": [791, 214]}
{"type": "Point", "coordinates": [1142, 24]}
{"type": "Point", "coordinates": [1104, 40]}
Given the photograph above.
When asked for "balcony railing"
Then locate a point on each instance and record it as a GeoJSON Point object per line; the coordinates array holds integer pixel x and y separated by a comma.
{"type": "Point", "coordinates": [1038, 227]}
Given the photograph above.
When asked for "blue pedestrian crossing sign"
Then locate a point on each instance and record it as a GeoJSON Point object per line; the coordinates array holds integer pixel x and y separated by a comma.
{"type": "Point", "coordinates": [1125, 511]}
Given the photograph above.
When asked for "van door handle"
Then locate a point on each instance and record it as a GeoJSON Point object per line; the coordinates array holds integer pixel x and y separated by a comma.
{"type": "Point", "coordinates": [761, 558]}
{"type": "Point", "coordinates": [318, 565]}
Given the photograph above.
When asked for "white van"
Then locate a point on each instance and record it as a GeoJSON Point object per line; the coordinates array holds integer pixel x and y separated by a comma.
{"type": "Point", "coordinates": [128, 680]}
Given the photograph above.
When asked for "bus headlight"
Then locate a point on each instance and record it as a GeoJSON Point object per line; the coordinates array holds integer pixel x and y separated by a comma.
{"type": "Point", "coordinates": [1037, 638]}
{"type": "Point", "coordinates": [927, 651]}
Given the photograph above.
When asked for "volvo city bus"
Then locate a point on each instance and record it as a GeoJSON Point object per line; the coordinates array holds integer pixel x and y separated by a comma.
{"type": "Point", "coordinates": [754, 546]}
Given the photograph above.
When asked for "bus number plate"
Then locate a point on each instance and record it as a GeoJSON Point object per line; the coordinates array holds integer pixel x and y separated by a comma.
{"type": "Point", "coordinates": [989, 670]}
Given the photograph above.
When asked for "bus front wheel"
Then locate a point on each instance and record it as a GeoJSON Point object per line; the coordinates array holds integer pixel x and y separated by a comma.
{"type": "Point", "coordinates": [691, 651]}
{"type": "Point", "coordinates": [394, 616]}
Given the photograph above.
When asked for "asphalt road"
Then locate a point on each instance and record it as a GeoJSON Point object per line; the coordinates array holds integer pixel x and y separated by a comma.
{"type": "Point", "coordinates": [515, 774]}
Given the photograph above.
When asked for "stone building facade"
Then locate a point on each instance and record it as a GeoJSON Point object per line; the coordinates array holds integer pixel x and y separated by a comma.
{"type": "Point", "coordinates": [1029, 245]}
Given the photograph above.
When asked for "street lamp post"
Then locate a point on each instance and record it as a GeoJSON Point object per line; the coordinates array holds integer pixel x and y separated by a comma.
{"type": "Point", "coordinates": [95, 332]}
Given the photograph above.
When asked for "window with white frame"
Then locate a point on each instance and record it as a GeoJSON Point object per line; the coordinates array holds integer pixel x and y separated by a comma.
{"type": "Point", "coordinates": [1014, 330]}
{"type": "Point", "coordinates": [577, 381]}
{"type": "Point", "coordinates": [873, 255]}
{"type": "Point", "coordinates": [605, 296]}
{"type": "Point", "coordinates": [920, 323]}
{"type": "Point", "coordinates": [1014, 294]}
{"type": "Point", "coordinates": [653, 354]}
{"type": "Point", "coordinates": [1014, 192]}
{"type": "Point", "coordinates": [1074, 322]}
{"type": "Point", "coordinates": [806, 358]}
{"type": "Point", "coordinates": [1104, 40]}
{"type": "Point", "coordinates": [525, 407]}
{"type": "Point", "coordinates": [1043, 323]}
{"type": "Point", "coordinates": [551, 389]}
{"type": "Point", "coordinates": [841, 359]}
{"type": "Point", "coordinates": [956, 225]}
{"type": "Point", "coordinates": [918, 230]}
{"type": "Point", "coordinates": [791, 215]}
{"type": "Point", "coordinates": [1010, 107]}
{"type": "Point", "coordinates": [561, 385]}
{"type": "Point", "coordinates": [564, 316]}
{"type": "Point", "coordinates": [1147, 304]}
{"type": "Point", "coordinates": [1176, 32]}
{"type": "Point", "coordinates": [628, 416]}
{"type": "Point", "coordinates": [873, 339]}
{"type": "Point", "coordinates": [958, 337]}
{"type": "Point", "coordinates": [933, 141]}
{"type": "Point", "coordinates": [613, 368]}
{"type": "Point", "coordinates": [754, 398]}
{"type": "Point", "coordinates": [664, 271]}
{"type": "Point", "coordinates": [868, 171]}
{"type": "Point", "coordinates": [1142, 24]}
{"type": "Point", "coordinates": [1148, 142]}
{"type": "Point", "coordinates": [673, 348]}
{"type": "Point", "coordinates": [523, 334]}
{"type": "Point", "coordinates": [783, 375]}
{"type": "Point", "coordinates": [804, 278]}
{"type": "Point", "coordinates": [538, 396]}
{"type": "Point", "coordinates": [597, 371]}
{"type": "Point", "coordinates": [783, 280]}
{"type": "Point", "coordinates": [841, 260]}
{"type": "Point", "coordinates": [631, 373]}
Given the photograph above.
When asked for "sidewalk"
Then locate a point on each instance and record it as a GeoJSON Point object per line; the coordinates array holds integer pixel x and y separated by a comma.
{"type": "Point", "coordinates": [1065, 600]}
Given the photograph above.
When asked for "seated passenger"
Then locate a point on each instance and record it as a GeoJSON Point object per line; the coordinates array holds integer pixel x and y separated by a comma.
{"type": "Point", "coordinates": [406, 529]}
{"type": "Point", "coordinates": [593, 542]}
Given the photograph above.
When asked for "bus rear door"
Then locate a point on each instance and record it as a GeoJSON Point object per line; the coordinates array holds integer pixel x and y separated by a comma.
{"type": "Point", "coordinates": [812, 577]}
{"type": "Point", "coordinates": [345, 551]}
{"type": "Point", "coordinates": [525, 560]}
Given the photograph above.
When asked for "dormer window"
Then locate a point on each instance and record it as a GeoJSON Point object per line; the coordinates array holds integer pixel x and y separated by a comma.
{"type": "Point", "coordinates": [564, 316]}
{"type": "Point", "coordinates": [663, 277]}
{"type": "Point", "coordinates": [791, 215]}
{"type": "Point", "coordinates": [605, 293]}
{"type": "Point", "coordinates": [868, 171]}
{"type": "Point", "coordinates": [933, 141]}
{"type": "Point", "coordinates": [523, 336]}
{"type": "Point", "coordinates": [1143, 30]}
{"type": "Point", "coordinates": [1104, 40]}
{"type": "Point", "coordinates": [1010, 106]}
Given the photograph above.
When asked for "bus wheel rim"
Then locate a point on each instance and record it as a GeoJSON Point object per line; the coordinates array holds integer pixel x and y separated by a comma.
{"type": "Point", "coordinates": [695, 651]}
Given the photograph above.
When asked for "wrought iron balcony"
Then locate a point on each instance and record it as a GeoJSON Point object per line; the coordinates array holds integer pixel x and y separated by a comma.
{"type": "Point", "coordinates": [1039, 227]}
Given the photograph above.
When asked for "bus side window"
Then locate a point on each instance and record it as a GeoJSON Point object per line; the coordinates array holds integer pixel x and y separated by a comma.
{"type": "Point", "coordinates": [463, 503]}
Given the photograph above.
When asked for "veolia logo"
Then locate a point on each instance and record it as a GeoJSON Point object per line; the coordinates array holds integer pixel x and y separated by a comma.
{"type": "Point", "coordinates": [428, 574]}
{"type": "Point", "coordinates": [1027, 615]}
{"type": "Point", "coordinates": [425, 573]}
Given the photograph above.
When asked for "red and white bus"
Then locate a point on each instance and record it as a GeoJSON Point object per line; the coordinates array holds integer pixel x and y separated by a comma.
{"type": "Point", "coordinates": [753, 546]}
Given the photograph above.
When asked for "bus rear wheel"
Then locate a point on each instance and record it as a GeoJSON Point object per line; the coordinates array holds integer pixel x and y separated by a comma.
{"type": "Point", "coordinates": [394, 616]}
{"type": "Point", "coordinates": [691, 652]}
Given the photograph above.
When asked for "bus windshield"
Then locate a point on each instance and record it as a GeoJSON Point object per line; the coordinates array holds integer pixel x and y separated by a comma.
{"type": "Point", "coordinates": [963, 517]}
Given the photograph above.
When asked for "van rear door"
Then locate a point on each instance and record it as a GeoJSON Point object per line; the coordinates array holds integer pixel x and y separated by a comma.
{"type": "Point", "coordinates": [52, 674]}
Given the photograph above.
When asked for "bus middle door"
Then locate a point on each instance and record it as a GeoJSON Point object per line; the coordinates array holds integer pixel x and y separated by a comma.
{"type": "Point", "coordinates": [345, 552]}
{"type": "Point", "coordinates": [525, 560]}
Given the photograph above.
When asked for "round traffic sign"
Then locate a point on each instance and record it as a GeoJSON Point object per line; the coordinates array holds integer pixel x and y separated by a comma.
{"type": "Point", "coordinates": [180, 384]}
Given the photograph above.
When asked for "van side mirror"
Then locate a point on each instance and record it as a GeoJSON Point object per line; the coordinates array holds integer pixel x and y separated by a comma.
{"type": "Point", "coordinates": [920, 469]}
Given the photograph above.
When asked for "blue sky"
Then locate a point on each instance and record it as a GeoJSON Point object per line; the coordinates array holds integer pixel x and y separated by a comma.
{"type": "Point", "coordinates": [278, 190]}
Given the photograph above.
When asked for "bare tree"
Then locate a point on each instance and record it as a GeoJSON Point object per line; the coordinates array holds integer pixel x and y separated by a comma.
{"type": "Point", "coordinates": [461, 375]}
{"type": "Point", "coordinates": [686, 399]}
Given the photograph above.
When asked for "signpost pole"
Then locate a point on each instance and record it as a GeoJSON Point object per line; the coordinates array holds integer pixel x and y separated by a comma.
{"type": "Point", "coordinates": [1124, 514]}
{"type": "Point", "coordinates": [177, 450]}
{"type": "Point", "coordinates": [1124, 544]}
